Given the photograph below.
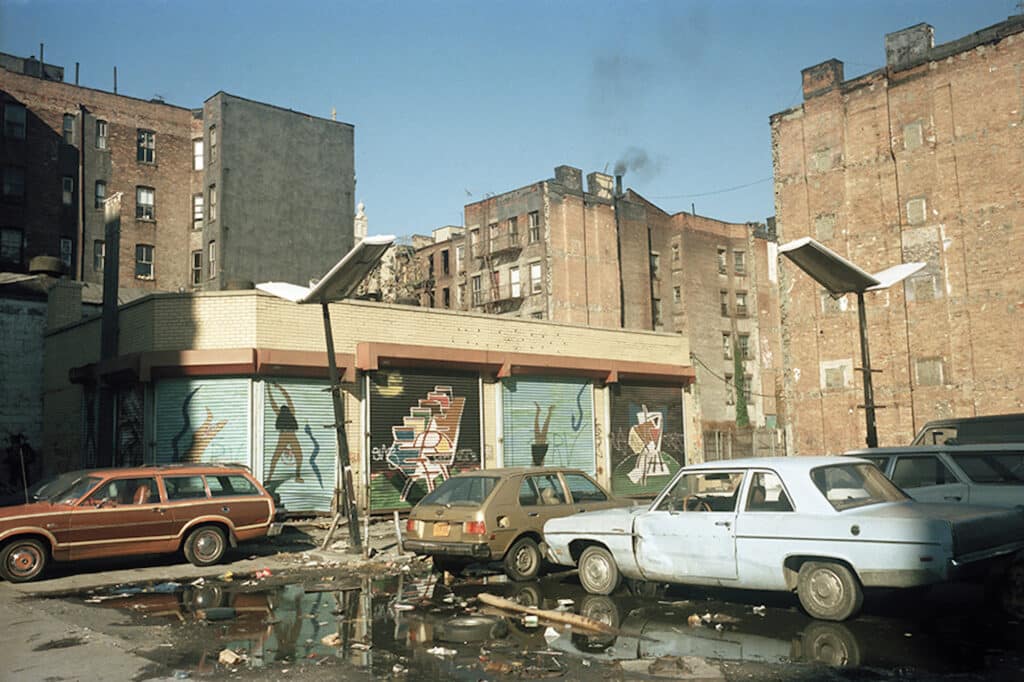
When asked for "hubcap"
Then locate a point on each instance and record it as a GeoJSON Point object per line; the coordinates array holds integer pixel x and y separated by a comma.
{"type": "Point", "coordinates": [524, 560]}
{"type": "Point", "coordinates": [23, 561]}
{"type": "Point", "coordinates": [207, 545]}
{"type": "Point", "coordinates": [597, 571]}
{"type": "Point", "coordinates": [827, 588]}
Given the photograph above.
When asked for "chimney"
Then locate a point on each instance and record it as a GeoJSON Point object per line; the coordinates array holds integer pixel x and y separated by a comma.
{"type": "Point", "coordinates": [569, 177]}
{"type": "Point", "coordinates": [909, 47]}
{"type": "Point", "coordinates": [821, 78]}
{"type": "Point", "coordinates": [618, 185]}
{"type": "Point", "coordinates": [600, 185]}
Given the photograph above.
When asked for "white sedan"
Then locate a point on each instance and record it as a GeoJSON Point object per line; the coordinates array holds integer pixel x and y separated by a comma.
{"type": "Point", "coordinates": [823, 526]}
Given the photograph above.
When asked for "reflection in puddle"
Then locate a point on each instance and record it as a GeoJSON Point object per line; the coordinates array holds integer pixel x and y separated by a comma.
{"type": "Point", "coordinates": [396, 623]}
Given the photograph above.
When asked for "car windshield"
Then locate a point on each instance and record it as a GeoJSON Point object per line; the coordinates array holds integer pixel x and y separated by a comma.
{"type": "Point", "coordinates": [855, 485]}
{"type": "Point", "coordinates": [992, 467]}
{"type": "Point", "coordinates": [54, 485]}
{"type": "Point", "coordinates": [463, 491]}
{"type": "Point", "coordinates": [77, 486]}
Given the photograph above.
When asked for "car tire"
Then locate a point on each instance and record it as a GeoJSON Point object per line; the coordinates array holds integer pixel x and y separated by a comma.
{"type": "Point", "coordinates": [22, 560]}
{"type": "Point", "coordinates": [205, 545]}
{"type": "Point", "coordinates": [523, 559]}
{"type": "Point", "coordinates": [599, 574]}
{"type": "Point", "coordinates": [477, 628]}
{"type": "Point", "coordinates": [829, 591]}
{"type": "Point", "coordinates": [831, 644]}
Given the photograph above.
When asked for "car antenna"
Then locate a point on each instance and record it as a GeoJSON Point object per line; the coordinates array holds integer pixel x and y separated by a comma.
{"type": "Point", "coordinates": [24, 478]}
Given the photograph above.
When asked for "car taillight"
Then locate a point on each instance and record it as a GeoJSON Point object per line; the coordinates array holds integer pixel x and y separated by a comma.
{"type": "Point", "coordinates": [410, 526]}
{"type": "Point", "coordinates": [474, 528]}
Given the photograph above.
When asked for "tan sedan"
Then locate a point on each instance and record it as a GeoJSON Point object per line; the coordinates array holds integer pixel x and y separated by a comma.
{"type": "Point", "coordinates": [496, 515]}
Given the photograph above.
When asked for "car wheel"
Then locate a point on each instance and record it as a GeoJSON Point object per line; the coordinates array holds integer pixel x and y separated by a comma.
{"type": "Point", "coordinates": [831, 644]}
{"type": "Point", "coordinates": [471, 629]}
{"type": "Point", "coordinates": [23, 560]}
{"type": "Point", "coordinates": [829, 591]}
{"type": "Point", "coordinates": [205, 546]}
{"type": "Point", "coordinates": [204, 597]}
{"type": "Point", "coordinates": [522, 562]}
{"type": "Point", "coordinates": [599, 573]}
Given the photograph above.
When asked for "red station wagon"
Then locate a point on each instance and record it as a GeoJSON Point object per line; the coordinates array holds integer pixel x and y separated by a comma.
{"type": "Point", "coordinates": [98, 513]}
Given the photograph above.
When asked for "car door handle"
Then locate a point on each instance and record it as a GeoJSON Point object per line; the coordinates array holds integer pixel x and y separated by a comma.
{"type": "Point", "coordinates": [723, 523]}
{"type": "Point", "coordinates": [158, 510]}
{"type": "Point", "coordinates": [532, 514]}
{"type": "Point", "coordinates": [953, 498]}
{"type": "Point", "coordinates": [580, 511]}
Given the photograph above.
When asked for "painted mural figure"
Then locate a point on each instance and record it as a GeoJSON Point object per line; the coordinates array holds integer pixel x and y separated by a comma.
{"type": "Point", "coordinates": [645, 442]}
{"type": "Point", "coordinates": [203, 436]}
{"type": "Point", "coordinates": [287, 427]}
{"type": "Point", "coordinates": [539, 448]}
{"type": "Point", "coordinates": [424, 446]}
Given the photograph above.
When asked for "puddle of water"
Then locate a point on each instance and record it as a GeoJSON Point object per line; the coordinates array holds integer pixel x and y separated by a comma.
{"type": "Point", "coordinates": [395, 623]}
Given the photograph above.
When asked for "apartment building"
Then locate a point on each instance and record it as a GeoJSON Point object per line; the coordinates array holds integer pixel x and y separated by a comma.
{"type": "Point", "coordinates": [917, 161]}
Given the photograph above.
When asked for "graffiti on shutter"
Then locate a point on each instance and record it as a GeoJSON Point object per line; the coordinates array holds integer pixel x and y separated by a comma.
{"type": "Point", "coordinates": [203, 420]}
{"type": "Point", "coordinates": [548, 421]}
{"type": "Point", "coordinates": [424, 427]}
{"type": "Point", "coordinates": [130, 440]}
{"type": "Point", "coordinates": [647, 444]}
{"type": "Point", "coordinates": [299, 447]}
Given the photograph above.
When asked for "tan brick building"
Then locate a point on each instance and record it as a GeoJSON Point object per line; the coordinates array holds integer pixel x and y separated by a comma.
{"type": "Point", "coordinates": [918, 161]}
{"type": "Point", "coordinates": [603, 257]}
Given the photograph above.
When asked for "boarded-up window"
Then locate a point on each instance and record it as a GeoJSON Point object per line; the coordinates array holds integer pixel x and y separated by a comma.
{"type": "Point", "coordinates": [929, 372]}
{"type": "Point", "coordinates": [824, 226]}
{"type": "Point", "coordinates": [836, 374]}
{"type": "Point", "coordinates": [834, 377]}
{"type": "Point", "coordinates": [917, 211]}
{"type": "Point", "coordinates": [913, 135]}
{"type": "Point", "coordinates": [821, 160]}
{"type": "Point", "coordinates": [923, 287]}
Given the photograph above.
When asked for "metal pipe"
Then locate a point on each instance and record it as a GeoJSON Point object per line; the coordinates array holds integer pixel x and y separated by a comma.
{"type": "Point", "coordinates": [869, 390]}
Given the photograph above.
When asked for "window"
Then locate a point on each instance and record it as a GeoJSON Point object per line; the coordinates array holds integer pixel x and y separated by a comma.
{"type": "Point", "coordinates": [748, 380]}
{"type": "Point", "coordinates": [721, 260]}
{"type": "Point", "coordinates": [739, 262]}
{"type": "Point", "coordinates": [460, 256]}
{"type": "Point", "coordinates": [921, 472]}
{"type": "Point", "coordinates": [924, 287]}
{"type": "Point", "coordinates": [677, 295]}
{"type": "Point", "coordinates": [446, 295]}
{"type": "Point", "coordinates": [445, 265]}
{"type": "Point", "coordinates": [824, 226]}
{"type": "Point", "coordinates": [655, 265]}
{"type": "Point", "coordinates": [68, 129]}
{"type": "Point", "coordinates": [766, 494]}
{"type": "Point", "coordinates": [474, 242]}
{"type": "Point", "coordinates": [513, 230]}
{"type": "Point", "coordinates": [211, 259]}
{"type": "Point", "coordinates": [744, 341]}
{"type": "Point", "coordinates": [67, 188]}
{"type": "Point", "coordinates": [730, 390]}
{"type": "Point", "coordinates": [534, 226]}
{"type": "Point", "coordinates": [495, 285]}
{"type": "Point", "coordinates": [197, 211]}
{"type": "Point", "coordinates": [537, 315]}
{"type": "Point", "coordinates": [741, 304]}
{"type": "Point", "coordinates": [184, 487]}
{"type": "Point", "coordinates": [516, 286]}
{"type": "Point", "coordinates": [11, 245]}
{"type": "Point", "coordinates": [913, 135]}
{"type": "Point", "coordinates": [146, 147]}
{"type": "Point", "coordinates": [143, 261]}
{"type": "Point", "coordinates": [535, 287]}
{"type": "Point", "coordinates": [462, 296]}
{"type": "Point", "coordinates": [477, 292]}
{"type": "Point", "coordinates": [101, 134]}
{"type": "Point", "coordinates": [583, 489]}
{"type": "Point", "coordinates": [656, 312]}
{"type": "Point", "coordinates": [835, 377]}
{"type": "Point", "coordinates": [492, 234]}
{"type": "Point", "coordinates": [197, 267]}
{"type": "Point", "coordinates": [917, 211]}
{"type": "Point", "coordinates": [126, 491]}
{"type": "Point", "coordinates": [99, 194]}
{"type": "Point", "coordinates": [212, 216]}
{"type": "Point", "coordinates": [14, 182]}
{"type": "Point", "coordinates": [99, 253]}
{"type": "Point", "coordinates": [430, 266]}
{"type": "Point", "coordinates": [222, 486]}
{"type": "Point", "coordinates": [213, 143]}
{"type": "Point", "coordinates": [145, 200]}
{"type": "Point", "coordinates": [703, 492]}
{"type": "Point", "coordinates": [197, 154]}
{"type": "Point", "coordinates": [14, 121]}
{"type": "Point", "coordinates": [67, 250]}
{"type": "Point", "coordinates": [727, 346]}
{"type": "Point", "coordinates": [675, 253]}
{"type": "Point", "coordinates": [541, 489]}
{"type": "Point", "coordinates": [723, 299]}
{"type": "Point", "coordinates": [430, 299]}
{"type": "Point", "coordinates": [929, 372]}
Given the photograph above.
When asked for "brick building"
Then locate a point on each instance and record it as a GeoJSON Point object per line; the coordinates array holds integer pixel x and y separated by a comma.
{"type": "Point", "coordinates": [917, 161]}
{"type": "Point", "coordinates": [211, 198]}
{"type": "Point", "coordinates": [602, 257]}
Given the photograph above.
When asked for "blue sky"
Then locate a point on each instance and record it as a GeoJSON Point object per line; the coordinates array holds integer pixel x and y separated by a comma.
{"type": "Point", "coordinates": [452, 100]}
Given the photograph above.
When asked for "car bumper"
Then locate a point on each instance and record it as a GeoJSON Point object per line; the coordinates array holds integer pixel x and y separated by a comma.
{"type": "Point", "coordinates": [472, 550]}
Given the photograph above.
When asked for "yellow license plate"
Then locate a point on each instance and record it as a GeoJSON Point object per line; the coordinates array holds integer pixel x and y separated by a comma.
{"type": "Point", "coordinates": [441, 529]}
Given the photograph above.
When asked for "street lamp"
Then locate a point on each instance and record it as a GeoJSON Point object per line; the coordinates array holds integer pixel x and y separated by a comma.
{"type": "Point", "coordinates": [340, 282]}
{"type": "Point", "coordinates": [839, 276]}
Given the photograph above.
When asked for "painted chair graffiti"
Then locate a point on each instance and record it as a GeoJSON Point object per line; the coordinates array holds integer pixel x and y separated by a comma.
{"type": "Point", "coordinates": [424, 446]}
{"type": "Point", "coordinates": [645, 442]}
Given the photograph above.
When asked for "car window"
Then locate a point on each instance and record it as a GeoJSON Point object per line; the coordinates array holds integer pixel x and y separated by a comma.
{"type": "Point", "coordinates": [583, 489]}
{"type": "Point", "coordinates": [53, 488]}
{"type": "Point", "coordinates": [921, 472]}
{"type": "Point", "coordinates": [992, 467]}
{"type": "Point", "coordinates": [703, 491]}
{"type": "Point", "coordinates": [855, 485]}
{"type": "Point", "coordinates": [879, 462]}
{"type": "Point", "coordinates": [541, 489]}
{"type": "Point", "coordinates": [223, 485]}
{"type": "Point", "coordinates": [766, 494]}
{"type": "Point", "coordinates": [76, 490]}
{"type": "Point", "coordinates": [184, 487]}
{"type": "Point", "coordinates": [125, 491]}
{"type": "Point", "coordinates": [465, 491]}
